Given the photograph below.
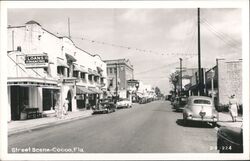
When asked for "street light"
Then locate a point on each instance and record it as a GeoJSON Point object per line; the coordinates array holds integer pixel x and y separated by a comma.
{"type": "Point", "coordinates": [212, 83]}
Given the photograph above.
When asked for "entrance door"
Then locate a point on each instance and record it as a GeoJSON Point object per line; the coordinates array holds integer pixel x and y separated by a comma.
{"type": "Point", "coordinates": [69, 97]}
{"type": "Point", "coordinates": [19, 98]}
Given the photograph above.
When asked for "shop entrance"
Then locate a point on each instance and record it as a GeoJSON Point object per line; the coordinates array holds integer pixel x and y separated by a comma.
{"type": "Point", "coordinates": [19, 99]}
{"type": "Point", "coordinates": [69, 97]}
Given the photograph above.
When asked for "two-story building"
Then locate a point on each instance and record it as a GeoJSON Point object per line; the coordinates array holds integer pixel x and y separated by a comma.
{"type": "Point", "coordinates": [119, 71]}
{"type": "Point", "coordinates": [227, 81]}
{"type": "Point", "coordinates": [44, 70]}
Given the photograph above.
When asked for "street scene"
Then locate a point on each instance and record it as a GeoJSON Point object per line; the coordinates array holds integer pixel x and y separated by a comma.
{"type": "Point", "coordinates": [121, 80]}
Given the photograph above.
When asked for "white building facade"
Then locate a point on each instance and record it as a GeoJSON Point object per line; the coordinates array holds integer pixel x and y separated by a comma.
{"type": "Point", "coordinates": [44, 70]}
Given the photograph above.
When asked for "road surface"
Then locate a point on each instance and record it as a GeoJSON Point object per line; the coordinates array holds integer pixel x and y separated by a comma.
{"type": "Point", "coordinates": [146, 128]}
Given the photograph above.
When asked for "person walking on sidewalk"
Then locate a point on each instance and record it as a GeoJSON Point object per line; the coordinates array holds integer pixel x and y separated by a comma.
{"type": "Point", "coordinates": [233, 108]}
{"type": "Point", "coordinates": [65, 106]}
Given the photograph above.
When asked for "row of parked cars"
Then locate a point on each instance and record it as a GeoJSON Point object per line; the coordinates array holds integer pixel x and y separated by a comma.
{"type": "Point", "coordinates": [202, 108]}
{"type": "Point", "coordinates": [108, 105]}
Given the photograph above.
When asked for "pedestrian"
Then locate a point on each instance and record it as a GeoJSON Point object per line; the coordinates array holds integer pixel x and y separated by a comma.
{"type": "Point", "coordinates": [65, 107]}
{"type": "Point", "coordinates": [233, 107]}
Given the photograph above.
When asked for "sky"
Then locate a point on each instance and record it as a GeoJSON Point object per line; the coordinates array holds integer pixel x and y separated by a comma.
{"type": "Point", "coordinates": [152, 39]}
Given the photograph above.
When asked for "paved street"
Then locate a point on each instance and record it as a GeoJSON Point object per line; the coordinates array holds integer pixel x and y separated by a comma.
{"type": "Point", "coordinates": [145, 128]}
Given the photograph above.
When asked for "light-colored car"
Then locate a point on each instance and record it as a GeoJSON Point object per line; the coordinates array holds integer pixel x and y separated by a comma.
{"type": "Point", "coordinates": [200, 108]}
{"type": "Point", "coordinates": [124, 103]}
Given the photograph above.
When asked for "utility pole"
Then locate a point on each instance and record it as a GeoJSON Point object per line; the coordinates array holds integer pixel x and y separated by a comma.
{"type": "Point", "coordinates": [180, 74]}
{"type": "Point", "coordinates": [13, 46]}
{"type": "Point", "coordinates": [199, 57]}
{"type": "Point", "coordinates": [116, 82]}
{"type": "Point", "coordinates": [69, 28]}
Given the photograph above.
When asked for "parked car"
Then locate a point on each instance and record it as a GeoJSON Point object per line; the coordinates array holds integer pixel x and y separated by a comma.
{"type": "Point", "coordinates": [200, 108]}
{"type": "Point", "coordinates": [180, 103]}
{"type": "Point", "coordinates": [105, 106]}
{"type": "Point", "coordinates": [124, 103]}
{"type": "Point", "coordinates": [143, 100]}
{"type": "Point", "coordinates": [229, 140]}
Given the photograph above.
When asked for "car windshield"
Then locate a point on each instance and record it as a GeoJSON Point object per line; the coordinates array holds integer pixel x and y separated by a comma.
{"type": "Point", "coordinates": [202, 101]}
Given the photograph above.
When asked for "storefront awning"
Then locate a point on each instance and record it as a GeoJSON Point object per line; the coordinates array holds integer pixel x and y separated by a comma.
{"type": "Point", "coordinates": [30, 81]}
{"type": "Point", "coordinates": [99, 69]}
{"type": "Point", "coordinates": [70, 57]}
{"type": "Point", "coordinates": [61, 63]}
{"type": "Point", "coordinates": [83, 69]}
{"type": "Point", "coordinates": [95, 73]}
{"type": "Point", "coordinates": [82, 90]}
{"type": "Point", "coordinates": [77, 68]}
{"type": "Point", "coordinates": [90, 72]}
{"type": "Point", "coordinates": [96, 90]}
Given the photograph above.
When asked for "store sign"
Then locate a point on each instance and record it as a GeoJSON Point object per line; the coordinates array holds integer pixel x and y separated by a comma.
{"type": "Point", "coordinates": [79, 97]}
{"type": "Point", "coordinates": [69, 81]}
{"type": "Point", "coordinates": [36, 61]}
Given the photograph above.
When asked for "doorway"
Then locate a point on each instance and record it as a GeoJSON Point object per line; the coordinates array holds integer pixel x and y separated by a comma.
{"type": "Point", "coordinates": [69, 97]}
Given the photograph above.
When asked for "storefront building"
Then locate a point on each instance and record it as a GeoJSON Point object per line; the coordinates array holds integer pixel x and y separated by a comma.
{"type": "Point", "coordinates": [44, 70]}
{"type": "Point", "coordinates": [119, 71]}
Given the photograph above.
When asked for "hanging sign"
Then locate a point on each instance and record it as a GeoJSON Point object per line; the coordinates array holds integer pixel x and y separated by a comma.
{"type": "Point", "coordinates": [36, 61]}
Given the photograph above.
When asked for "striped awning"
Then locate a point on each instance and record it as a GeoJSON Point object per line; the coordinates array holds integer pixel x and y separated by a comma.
{"type": "Point", "coordinates": [83, 90]}
{"type": "Point", "coordinates": [94, 90]}
{"type": "Point", "coordinates": [61, 63]}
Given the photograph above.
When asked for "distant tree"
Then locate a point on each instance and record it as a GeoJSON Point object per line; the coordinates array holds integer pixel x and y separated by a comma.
{"type": "Point", "coordinates": [174, 79]}
{"type": "Point", "coordinates": [157, 91]}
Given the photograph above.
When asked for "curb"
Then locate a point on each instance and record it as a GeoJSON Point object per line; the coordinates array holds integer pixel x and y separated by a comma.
{"type": "Point", "coordinates": [18, 131]}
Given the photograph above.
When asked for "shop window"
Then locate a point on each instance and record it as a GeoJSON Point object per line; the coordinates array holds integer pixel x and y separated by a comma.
{"type": "Point", "coordinates": [110, 70]}
{"type": "Point", "coordinates": [75, 74]}
{"type": "Point", "coordinates": [82, 76]}
{"type": "Point", "coordinates": [90, 77]}
{"type": "Point", "coordinates": [60, 70]}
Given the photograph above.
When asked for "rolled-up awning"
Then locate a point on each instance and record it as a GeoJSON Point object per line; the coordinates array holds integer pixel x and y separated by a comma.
{"type": "Point", "coordinates": [94, 90]}
{"type": "Point", "coordinates": [61, 63]}
{"type": "Point", "coordinates": [82, 90]}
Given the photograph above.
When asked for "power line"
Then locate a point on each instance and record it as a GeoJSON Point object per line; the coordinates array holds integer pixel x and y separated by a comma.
{"type": "Point", "coordinates": [234, 45]}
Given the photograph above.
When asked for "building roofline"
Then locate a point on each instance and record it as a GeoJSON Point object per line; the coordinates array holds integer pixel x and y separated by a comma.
{"type": "Point", "coordinates": [59, 37]}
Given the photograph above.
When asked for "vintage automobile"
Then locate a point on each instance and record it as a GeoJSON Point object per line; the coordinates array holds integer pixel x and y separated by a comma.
{"type": "Point", "coordinates": [180, 103]}
{"type": "Point", "coordinates": [105, 106]}
{"type": "Point", "coordinates": [124, 103]}
{"type": "Point", "coordinates": [229, 139]}
{"type": "Point", "coordinates": [200, 108]}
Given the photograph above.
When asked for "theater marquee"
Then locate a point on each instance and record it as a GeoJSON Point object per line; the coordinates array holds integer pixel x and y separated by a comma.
{"type": "Point", "coordinates": [36, 61]}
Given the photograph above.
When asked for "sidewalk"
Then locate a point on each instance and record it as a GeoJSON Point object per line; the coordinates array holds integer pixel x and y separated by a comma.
{"type": "Point", "coordinates": [28, 125]}
{"type": "Point", "coordinates": [224, 119]}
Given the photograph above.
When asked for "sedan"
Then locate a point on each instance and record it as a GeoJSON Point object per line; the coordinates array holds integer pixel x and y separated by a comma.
{"type": "Point", "coordinates": [124, 103]}
{"type": "Point", "coordinates": [229, 140]}
{"type": "Point", "coordinates": [105, 107]}
{"type": "Point", "coordinates": [200, 108]}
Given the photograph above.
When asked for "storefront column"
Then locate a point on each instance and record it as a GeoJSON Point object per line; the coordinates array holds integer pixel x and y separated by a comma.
{"type": "Point", "coordinates": [9, 104]}
{"type": "Point", "coordinates": [86, 101]}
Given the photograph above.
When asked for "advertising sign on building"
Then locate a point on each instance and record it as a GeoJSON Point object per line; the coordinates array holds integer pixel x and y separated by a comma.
{"type": "Point", "coordinates": [36, 61]}
{"type": "Point", "coordinates": [69, 81]}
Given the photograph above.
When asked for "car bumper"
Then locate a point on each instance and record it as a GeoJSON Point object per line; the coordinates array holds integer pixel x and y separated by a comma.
{"type": "Point", "coordinates": [202, 119]}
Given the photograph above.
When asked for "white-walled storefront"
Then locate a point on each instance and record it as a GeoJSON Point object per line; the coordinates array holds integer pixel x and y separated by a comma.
{"type": "Point", "coordinates": [44, 69]}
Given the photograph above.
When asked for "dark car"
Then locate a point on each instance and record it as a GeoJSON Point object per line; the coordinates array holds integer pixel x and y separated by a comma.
{"type": "Point", "coordinates": [180, 103]}
{"type": "Point", "coordinates": [105, 106]}
{"type": "Point", "coordinates": [229, 140]}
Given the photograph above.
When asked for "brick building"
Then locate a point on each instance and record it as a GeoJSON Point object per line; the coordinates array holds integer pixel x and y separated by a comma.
{"type": "Point", "coordinates": [123, 70]}
{"type": "Point", "coordinates": [227, 81]}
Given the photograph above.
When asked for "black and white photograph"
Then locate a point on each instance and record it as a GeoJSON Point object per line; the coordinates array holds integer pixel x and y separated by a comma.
{"type": "Point", "coordinates": [125, 80]}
